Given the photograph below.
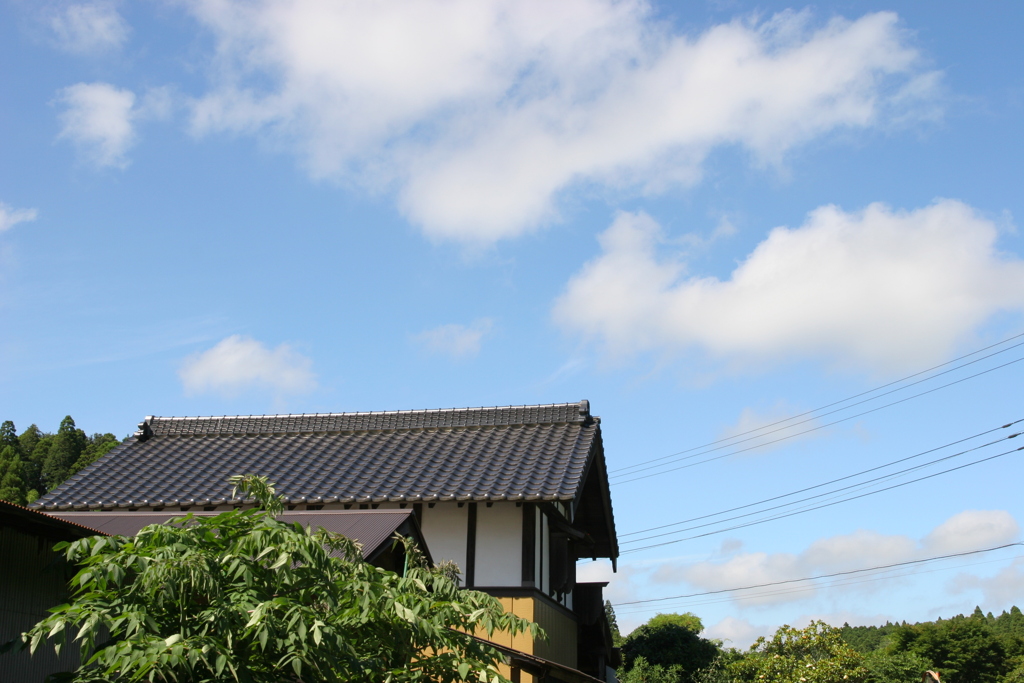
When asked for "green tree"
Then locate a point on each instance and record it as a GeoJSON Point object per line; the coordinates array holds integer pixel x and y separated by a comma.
{"type": "Point", "coordinates": [244, 597]}
{"type": "Point", "coordinates": [613, 623]}
{"type": "Point", "coordinates": [67, 447]}
{"type": "Point", "coordinates": [643, 671]}
{"type": "Point", "coordinates": [12, 484]}
{"type": "Point", "coordinates": [9, 437]}
{"type": "Point", "coordinates": [667, 641]}
{"type": "Point", "coordinates": [897, 667]}
{"type": "Point", "coordinates": [964, 649]}
{"type": "Point", "coordinates": [816, 654]}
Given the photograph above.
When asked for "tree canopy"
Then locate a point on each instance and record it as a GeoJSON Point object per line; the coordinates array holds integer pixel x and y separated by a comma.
{"type": "Point", "coordinates": [244, 597]}
{"type": "Point", "coordinates": [36, 462]}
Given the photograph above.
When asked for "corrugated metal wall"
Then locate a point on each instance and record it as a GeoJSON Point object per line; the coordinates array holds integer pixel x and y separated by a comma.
{"type": "Point", "coordinates": [30, 584]}
{"type": "Point", "coordinates": [561, 629]}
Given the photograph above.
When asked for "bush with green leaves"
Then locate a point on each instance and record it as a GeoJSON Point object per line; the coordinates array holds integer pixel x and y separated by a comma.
{"type": "Point", "coordinates": [244, 597]}
{"type": "Point", "coordinates": [670, 647]}
{"type": "Point", "coordinates": [816, 654]}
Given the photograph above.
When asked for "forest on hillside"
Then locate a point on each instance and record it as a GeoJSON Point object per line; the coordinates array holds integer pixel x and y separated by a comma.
{"type": "Point", "coordinates": [979, 648]}
{"type": "Point", "coordinates": [34, 462]}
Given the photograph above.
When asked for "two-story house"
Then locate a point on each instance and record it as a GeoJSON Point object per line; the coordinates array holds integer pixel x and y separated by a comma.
{"type": "Point", "coordinates": [514, 495]}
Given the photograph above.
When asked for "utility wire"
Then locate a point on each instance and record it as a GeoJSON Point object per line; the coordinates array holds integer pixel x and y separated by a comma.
{"type": "Point", "coordinates": [625, 470]}
{"type": "Point", "coordinates": [824, 505]}
{"type": "Point", "coordinates": [823, 576]}
{"type": "Point", "coordinates": [639, 609]}
{"type": "Point", "coordinates": [834, 481]}
{"type": "Point", "coordinates": [806, 431]}
{"type": "Point", "coordinates": [829, 493]}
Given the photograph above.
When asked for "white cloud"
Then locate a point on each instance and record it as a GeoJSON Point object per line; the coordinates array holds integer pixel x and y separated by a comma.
{"type": "Point", "coordinates": [89, 28]}
{"type": "Point", "coordinates": [964, 532]}
{"type": "Point", "coordinates": [973, 529]}
{"type": "Point", "coordinates": [879, 289]}
{"type": "Point", "coordinates": [240, 363]}
{"type": "Point", "coordinates": [99, 119]}
{"type": "Point", "coordinates": [479, 113]}
{"type": "Point", "coordinates": [457, 341]}
{"type": "Point", "coordinates": [9, 216]}
{"type": "Point", "coordinates": [1004, 588]}
{"type": "Point", "coordinates": [734, 632]}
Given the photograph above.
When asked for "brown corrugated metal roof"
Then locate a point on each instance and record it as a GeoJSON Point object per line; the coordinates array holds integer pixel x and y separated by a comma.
{"type": "Point", "coordinates": [372, 528]}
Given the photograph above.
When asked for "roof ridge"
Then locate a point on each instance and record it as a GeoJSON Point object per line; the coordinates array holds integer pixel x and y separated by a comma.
{"type": "Point", "coordinates": [292, 423]}
{"type": "Point", "coordinates": [368, 412]}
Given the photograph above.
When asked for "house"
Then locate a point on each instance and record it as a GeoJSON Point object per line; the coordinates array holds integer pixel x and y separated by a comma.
{"type": "Point", "coordinates": [513, 495]}
{"type": "Point", "coordinates": [33, 578]}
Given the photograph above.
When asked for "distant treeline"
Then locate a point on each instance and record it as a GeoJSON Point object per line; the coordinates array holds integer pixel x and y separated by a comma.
{"type": "Point", "coordinates": [34, 462]}
{"type": "Point", "coordinates": [980, 648]}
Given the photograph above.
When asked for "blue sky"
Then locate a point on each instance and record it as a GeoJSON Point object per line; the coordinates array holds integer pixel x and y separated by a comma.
{"type": "Point", "coordinates": [703, 219]}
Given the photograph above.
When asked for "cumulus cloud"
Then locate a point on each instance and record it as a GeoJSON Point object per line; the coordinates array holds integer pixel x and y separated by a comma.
{"type": "Point", "coordinates": [972, 529]}
{"type": "Point", "coordinates": [99, 119]}
{"type": "Point", "coordinates": [238, 363]}
{"type": "Point", "coordinates": [880, 289]}
{"type": "Point", "coordinates": [9, 216]}
{"type": "Point", "coordinates": [457, 341]}
{"type": "Point", "coordinates": [480, 113]}
{"type": "Point", "coordinates": [966, 531]}
{"type": "Point", "coordinates": [88, 28]}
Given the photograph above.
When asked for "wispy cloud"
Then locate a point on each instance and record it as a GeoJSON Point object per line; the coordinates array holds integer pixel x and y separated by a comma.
{"type": "Point", "coordinates": [967, 531]}
{"type": "Point", "coordinates": [101, 119]}
{"type": "Point", "coordinates": [481, 113]}
{"type": "Point", "coordinates": [238, 363]}
{"type": "Point", "coordinates": [455, 340]}
{"type": "Point", "coordinates": [88, 28]}
{"type": "Point", "coordinates": [98, 119]}
{"type": "Point", "coordinates": [877, 289]}
{"type": "Point", "coordinates": [9, 216]}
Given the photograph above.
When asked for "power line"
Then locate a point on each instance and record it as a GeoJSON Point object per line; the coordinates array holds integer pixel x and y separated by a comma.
{"type": "Point", "coordinates": [822, 576]}
{"type": "Point", "coordinates": [825, 505]}
{"type": "Point", "coordinates": [637, 609]}
{"type": "Point", "coordinates": [833, 481]}
{"type": "Point", "coordinates": [828, 493]}
{"type": "Point", "coordinates": [806, 431]}
{"type": "Point", "coordinates": [834, 403]}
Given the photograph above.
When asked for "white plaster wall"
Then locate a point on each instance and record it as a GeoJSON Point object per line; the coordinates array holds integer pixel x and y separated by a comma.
{"type": "Point", "coordinates": [444, 527]}
{"type": "Point", "coordinates": [499, 545]}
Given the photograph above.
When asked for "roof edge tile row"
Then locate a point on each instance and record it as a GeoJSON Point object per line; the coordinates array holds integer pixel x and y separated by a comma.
{"type": "Point", "coordinates": [551, 413]}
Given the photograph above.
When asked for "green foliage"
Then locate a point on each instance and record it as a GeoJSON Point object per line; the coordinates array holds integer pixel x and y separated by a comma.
{"type": "Point", "coordinates": [244, 597]}
{"type": "Point", "coordinates": [816, 654]}
{"type": "Point", "coordinates": [672, 642]}
{"type": "Point", "coordinates": [9, 437]}
{"type": "Point", "coordinates": [45, 461]}
{"type": "Point", "coordinates": [898, 667]}
{"type": "Point", "coordinates": [644, 672]}
{"type": "Point", "coordinates": [963, 649]}
{"type": "Point", "coordinates": [865, 639]}
{"type": "Point", "coordinates": [613, 624]}
{"type": "Point", "coordinates": [12, 485]}
{"type": "Point", "coordinates": [63, 453]}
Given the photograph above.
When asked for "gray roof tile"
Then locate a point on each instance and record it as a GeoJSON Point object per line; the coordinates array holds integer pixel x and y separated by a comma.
{"type": "Point", "coordinates": [507, 453]}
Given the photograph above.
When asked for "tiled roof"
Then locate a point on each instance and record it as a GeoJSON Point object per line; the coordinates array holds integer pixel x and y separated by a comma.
{"type": "Point", "coordinates": [535, 453]}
